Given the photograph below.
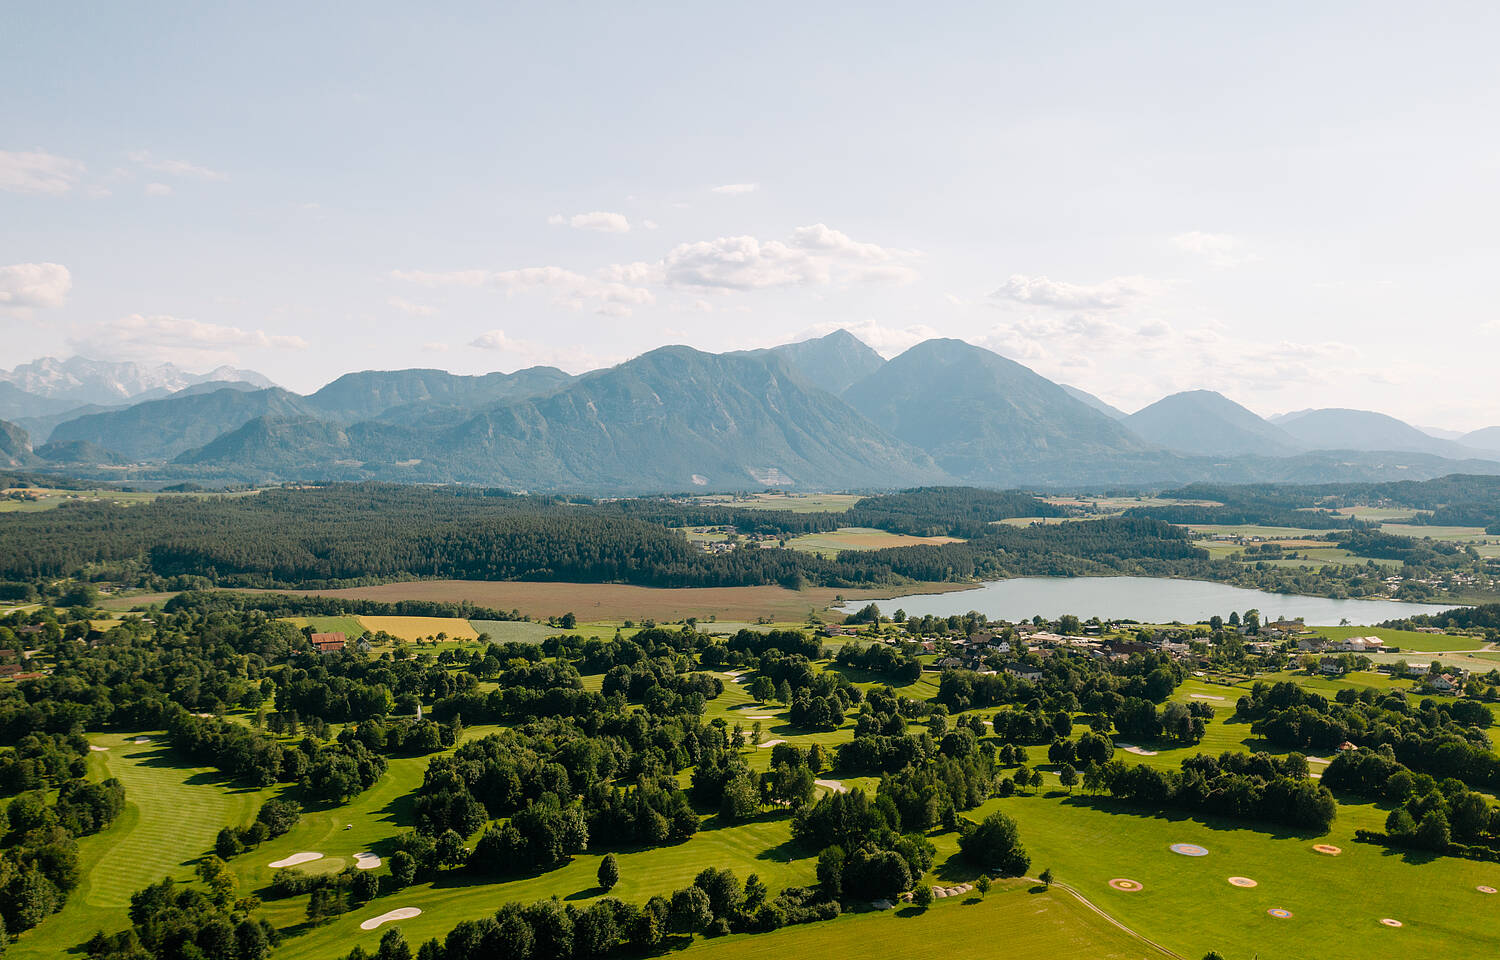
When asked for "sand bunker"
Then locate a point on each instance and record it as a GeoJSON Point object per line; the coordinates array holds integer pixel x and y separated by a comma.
{"type": "Point", "coordinates": [759, 716]}
{"type": "Point", "coordinates": [1322, 760]}
{"type": "Point", "coordinates": [1485, 889]}
{"type": "Point", "coordinates": [1188, 849]}
{"type": "Point", "coordinates": [1279, 913]}
{"type": "Point", "coordinates": [1243, 882]}
{"type": "Point", "coordinates": [366, 861]}
{"type": "Point", "coordinates": [1126, 886]}
{"type": "Point", "coordinates": [307, 856]}
{"type": "Point", "coordinates": [1138, 751]}
{"type": "Point", "coordinates": [1204, 696]}
{"type": "Point", "coordinates": [834, 785]}
{"type": "Point", "coordinates": [1389, 922]}
{"type": "Point", "coordinates": [402, 913]}
{"type": "Point", "coordinates": [97, 749]}
{"type": "Point", "coordinates": [772, 743]}
{"type": "Point", "coordinates": [141, 740]}
{"type": "Point", "coordinates": [1328, 848]}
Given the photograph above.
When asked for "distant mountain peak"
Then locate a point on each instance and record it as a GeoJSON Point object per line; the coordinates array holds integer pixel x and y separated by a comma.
{"type": "Point", "coordinates": [832, 361]}
{"type": "Point", "coordinates": [1207, 423]}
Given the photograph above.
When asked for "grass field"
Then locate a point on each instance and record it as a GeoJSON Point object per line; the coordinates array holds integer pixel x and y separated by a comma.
{"type": "Point", "coordinates": [1188, 905]}
{"type": "Point", "coordinates": [348, 626]}
{"type": "Point", "coordinates": [1405, 639]}
{"type": "Point", "coordinates": [618, 601]}
{"type": "Point", "coordinates": [800, 502]}
{"type": "Point", "coordinates": [1452, 534]}
{"type": "Point", "coordinates": [1036, 925]}
{"type": "Point", "coordinates": [859, 538]}
{"type": "Point", "coordinates": [1254, 530]}
{"type": "Point", "coordinates": [172, 813]}
{"type": "Point", "coordinates": [519, 631]}
{"type": "Point", "coordinates": [1383, 514]}
{"type": "Point", "coordinates": [420, 628]}
{"type": "Point", "coordinates": [49, 498]}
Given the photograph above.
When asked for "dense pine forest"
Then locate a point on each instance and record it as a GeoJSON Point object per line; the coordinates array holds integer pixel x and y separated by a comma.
{"type": "Point", "coordinates": [352, 534]}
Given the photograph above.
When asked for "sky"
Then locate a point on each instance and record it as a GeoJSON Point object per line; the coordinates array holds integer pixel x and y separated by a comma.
{"type": "Point", "coordinates": [1293, 204]}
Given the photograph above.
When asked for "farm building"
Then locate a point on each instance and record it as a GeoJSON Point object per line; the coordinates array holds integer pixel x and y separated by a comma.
{"type": "Point", "coordinates": [329, 642]}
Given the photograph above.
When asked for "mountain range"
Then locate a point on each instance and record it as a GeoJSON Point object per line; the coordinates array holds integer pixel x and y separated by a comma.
{"type": "Point", "coordinates": [826, 413]}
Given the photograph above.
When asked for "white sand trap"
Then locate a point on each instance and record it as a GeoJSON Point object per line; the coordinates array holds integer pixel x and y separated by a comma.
{"type": "Point", "coordinates": [307, 856]}
{"type": "Point", "coordinates": [203, 716]}
{"type": "Point", "coordinates": [141, 740]}
{"type": "Point", "coordinates": [772, 743]}
{"type": "Point", "coordinates": [1204, 696]}
{"type": "Point", "coordinates": [1319, 760]}
{"type": "Point", "coordinates": [759, 716]}
{"type": "Point", "coordinates": [97, 749]}
{"type": "Point", "coordinates": [402, 913]}
{"type": "Point", "coordinates": [366, 861]}
{"type": "Point", "coordinates": [1138, 751]}
{"type": "Point", "coordinates": [835, 785]}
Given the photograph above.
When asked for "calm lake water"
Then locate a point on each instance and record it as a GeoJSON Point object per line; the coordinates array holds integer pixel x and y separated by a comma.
{"type": "Point", "coordinates": [1147, 599]}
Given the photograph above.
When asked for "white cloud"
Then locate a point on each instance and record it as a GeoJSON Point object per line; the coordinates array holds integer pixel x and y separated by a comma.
{"type": "Point", "coordinates": [158, 190]}
{"type": "Point", "coordinates": [178, 339]}
{"type": "Point", "coordinates": [435, 346]}
{"type": "Point", "coordinates": [36, 171]}
{"type": "Point", "coordinates": [1221, 250]}
{"type": "Point", "coordinates": [649, 224]}
{"type": "Point", "coordinates": [411, 309]}
{"type": "Point", "coordinates": [175, 168]}
{"type": "Point", "coordinates": [26, 285]}
{"type": "Point", "coordinates": [815, 254]}
{"type": "Point", "coordinates": [812, 255]}
{"type": "Point", "coordinates": [1044, 292]}
{"type": "Point", "coordinates": [599, 220]}
{"type": "Point", "coordinates": [734, 189]}
{"type": "Point", "coordinates": [528, 353]}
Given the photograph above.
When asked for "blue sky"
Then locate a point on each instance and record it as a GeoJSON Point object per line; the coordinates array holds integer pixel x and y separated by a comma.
{"type": "Point", "coordinates": [1294, 204]}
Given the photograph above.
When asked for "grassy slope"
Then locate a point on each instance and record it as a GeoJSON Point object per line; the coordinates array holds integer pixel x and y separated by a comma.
{"type": "Point", "coordinates": [173, 811]}
{"type": "Point", "coordinates": [1035, 925]}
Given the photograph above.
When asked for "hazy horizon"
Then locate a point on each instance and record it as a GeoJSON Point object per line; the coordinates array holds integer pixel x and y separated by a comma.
{"type": "Point", "coordinates": [1291, 207]}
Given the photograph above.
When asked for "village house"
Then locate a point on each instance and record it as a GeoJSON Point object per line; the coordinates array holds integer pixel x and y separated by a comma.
{"type": "Point", "coordinates": [1023, 671]}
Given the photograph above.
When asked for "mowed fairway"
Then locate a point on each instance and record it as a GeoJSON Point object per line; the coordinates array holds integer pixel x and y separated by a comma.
{"type": "Point", "coordinates": [173, 811]}
{"type": "Point", "coordinates": [1011, 922]}
{"type": "Point", "coordinates": [759, 847]}
{"type": "Point", "coordinates": [1188, 905]}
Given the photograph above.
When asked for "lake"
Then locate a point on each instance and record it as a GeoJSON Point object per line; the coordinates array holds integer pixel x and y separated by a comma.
{"type": "Point", "coordinates": [1147, 599]}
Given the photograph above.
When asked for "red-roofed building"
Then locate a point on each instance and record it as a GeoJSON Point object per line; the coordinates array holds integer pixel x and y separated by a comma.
{"type": "Point", "coordinates": [329, 642]}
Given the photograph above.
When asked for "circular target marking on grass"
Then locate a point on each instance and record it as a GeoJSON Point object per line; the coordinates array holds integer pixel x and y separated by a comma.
{"type": "Point", "coordinates": [1243, 882]}
{"type": "Point", "coordinates": [1188, 849]}
{"type": "Point", "coordinates": [1328, 848]}
{"type": "Point", "coordinates": [1485, 889]}
{"type": "Point", "coordinates": [1126, 886]}
{"type": "Point", "coordinates": [1389, 922]}
{"type": "Point", "coordinates": [1279, 913]}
